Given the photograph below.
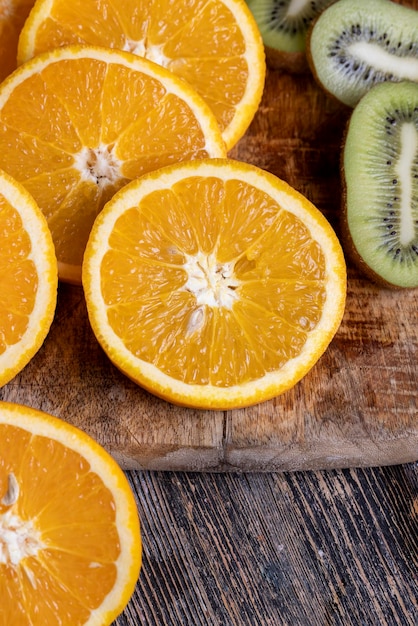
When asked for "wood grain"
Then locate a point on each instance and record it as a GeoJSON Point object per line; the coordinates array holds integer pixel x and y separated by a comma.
{"type": "Point", "coordinates": [357, 407]}
{"type": "Point", "coordinates": [334, 548]}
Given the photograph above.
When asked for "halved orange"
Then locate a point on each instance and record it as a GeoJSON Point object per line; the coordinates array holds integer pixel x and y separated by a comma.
{"type": "Point", "coordinates": [13, 14]}
{"type": "Point", "coordinates": [213, 284]}
{"type": "Point", "coordinates": [77, 123]}
{"type": "Point", "coordinates": [70, 544]}
{"type": "Point", "coordinates": [28, 278]}
{"type": "Point", "coordinates": [214, 44]}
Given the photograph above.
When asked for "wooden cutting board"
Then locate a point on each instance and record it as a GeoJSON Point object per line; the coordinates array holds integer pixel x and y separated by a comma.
{"type": "Point", "coordinates": [357, 407]}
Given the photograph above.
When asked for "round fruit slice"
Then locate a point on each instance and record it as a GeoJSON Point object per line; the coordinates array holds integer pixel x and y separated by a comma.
{"type": "Point", "coordinates": [79, 122]}
{"type": "Point", "coordinates": [354, 45]}
{"type": "Point", "coordinates": [215, 45]}
{"type": "Point", "coordinates": [13, 14]}
{"type": "Point", "coordinates": [70, 544]}
{"type": "Point", "coordinates": [380, 212]}
{"type": "Point", "coordinates": [213, 284]}
{"type": "Point", "coordinates": [28, 278]}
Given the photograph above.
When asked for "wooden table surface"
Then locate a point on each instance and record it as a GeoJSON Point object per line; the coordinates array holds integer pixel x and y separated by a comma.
{"type": "Point", "coordinates": [326, 548]}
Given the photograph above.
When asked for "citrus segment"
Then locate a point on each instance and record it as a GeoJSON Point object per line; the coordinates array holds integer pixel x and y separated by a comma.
{"type": "Point", "coordinates": [213, 44]}
{"type": "Point", "coordinates": [28, 278]}
{"type": "Point", "coordinates": [13, 14]}
{"type": "Point", "coordinates": [78, 123]}
{"type": "Point", "coordinates": [213, 283]}
{"type": "Point", "coordinates": [70, 545]}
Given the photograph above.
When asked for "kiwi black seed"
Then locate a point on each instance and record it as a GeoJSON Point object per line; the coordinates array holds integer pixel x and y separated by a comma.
{"type": "Point", "coordinates": [355, 44]}
{"type": "Point", "coordinates": [380, 183]}
{"type": "Point", "coordinates": [283, 25]}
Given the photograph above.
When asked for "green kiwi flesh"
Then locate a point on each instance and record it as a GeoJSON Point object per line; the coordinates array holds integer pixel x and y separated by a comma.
{"type": "Point", "coordinates": [283, 25]}
{"type": "Point", "coordinates": [380, 180]}
{"type": "Point", "coordinates": [355, 44]}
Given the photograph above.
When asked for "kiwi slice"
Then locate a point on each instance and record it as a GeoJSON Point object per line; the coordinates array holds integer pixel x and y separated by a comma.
{"type": "Point", "coordinates": [355, 44]}
{"type": "Point", "coordinates": [380, 181]}
{"type": "Point", "coordinates": [283, 25]}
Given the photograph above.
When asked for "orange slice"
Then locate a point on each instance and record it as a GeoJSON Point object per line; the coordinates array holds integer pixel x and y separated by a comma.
{"type": "Point", "coordinates": [70, 545]}
{"type": "Point", "coordinates": [78, 123]}
{"type": "Point", "coordinates": [28, 278]}
{"type": "Point", "coordinates": [214, 44]}
{"type": "Point", "coordinates": [213, 284]}
{"type": "Point", "coordinates": [13, 14]}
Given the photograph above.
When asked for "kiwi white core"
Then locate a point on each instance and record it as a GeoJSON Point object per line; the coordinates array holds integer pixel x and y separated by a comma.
{"type": "Point", "coordinates": [295, 7]}
{"type": "Point", "coordinates": [405, 68]}
{"type": "Point", "coordinates": [409, 150]}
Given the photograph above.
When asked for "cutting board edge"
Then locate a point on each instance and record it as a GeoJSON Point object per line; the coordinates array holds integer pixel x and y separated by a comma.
{"type": "Point", "coordinates": [271, 459]}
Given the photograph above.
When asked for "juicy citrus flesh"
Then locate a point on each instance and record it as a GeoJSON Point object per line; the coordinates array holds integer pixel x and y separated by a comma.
{"type": "Point", "coordinates": [28, 278]}
{"type": "Point", "coordinates": [213, 44]}
{"type": "Point", "coordinates": [213, 284]}
{"type": "Point", "coordinates": [13, 14]}
{"type": "Point", "coordinates": [70, 545]}
{"type": "Point", "coordinates": [78, 123]}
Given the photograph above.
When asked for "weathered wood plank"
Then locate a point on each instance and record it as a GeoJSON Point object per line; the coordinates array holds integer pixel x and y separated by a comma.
{"type": "Point", "coordinates": [288, 549]}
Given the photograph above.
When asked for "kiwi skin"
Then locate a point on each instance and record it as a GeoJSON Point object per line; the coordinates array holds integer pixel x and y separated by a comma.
{"type": "Point", "coordinates": [348, 244]}
{"type": "Point", "coordinates": [311, 67]}
{"type": "Point", "coordinates": [350, 250]}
